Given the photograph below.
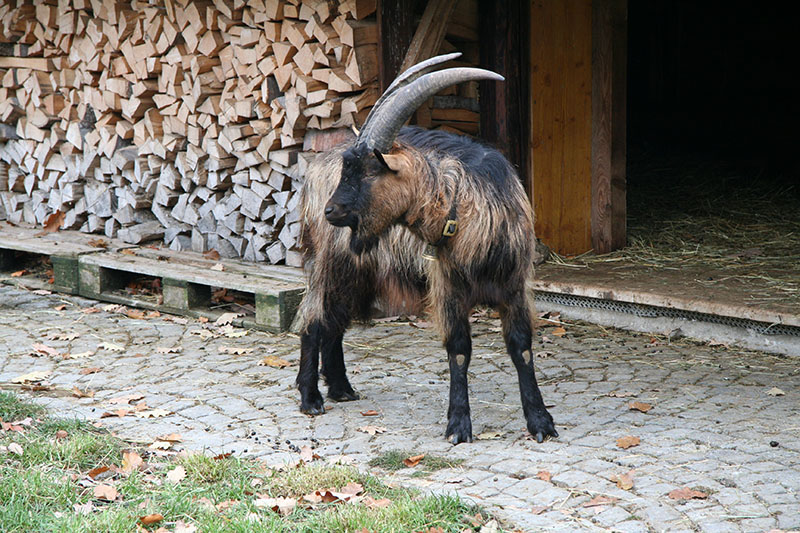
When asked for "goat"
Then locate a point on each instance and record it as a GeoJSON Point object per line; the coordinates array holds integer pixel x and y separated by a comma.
{"type": "Point", "coordinates": [376, 209]}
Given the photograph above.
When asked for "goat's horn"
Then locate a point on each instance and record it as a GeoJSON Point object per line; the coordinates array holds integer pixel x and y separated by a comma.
{"type": "Point", "coordinates": [379, 132]}
{"type": "Point", "coordinates": [408, 76]}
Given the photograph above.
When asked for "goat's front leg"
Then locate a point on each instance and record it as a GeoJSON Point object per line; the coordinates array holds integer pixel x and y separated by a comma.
{"type": "Point", "coordinates": [459, 352]}
{"type": "Point", "coordinates": [308, 375]}
{"type": "Point", "coordinates": [517, 333]}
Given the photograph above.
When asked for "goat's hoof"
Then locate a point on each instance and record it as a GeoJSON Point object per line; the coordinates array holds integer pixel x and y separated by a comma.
{"type": "Point", "coordinates": [312, 405]}
{"type": "Point", "coordinates": [343, 396]}
{"type": "Point", "coordinates": [459, 431]}
{"type": "Point", "coordinates": [540, 425]}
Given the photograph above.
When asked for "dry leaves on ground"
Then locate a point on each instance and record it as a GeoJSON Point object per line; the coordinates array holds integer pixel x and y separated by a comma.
{"type": "Point", "coordinates": [489, 435]}
{"type": "Point", "coordinates": [176, 474]}
{"type": "Point", "coordinates": [151, 519]}
{"type": "Point", "coordinates": [686, 493]}
{"type": "Point", "coordinates": [231, 350]}
{"type": "Point", "coordinates": [372, 430]}
{"type": "Point", "coordinates": [131, 461]}
{"type": "Point", "coordinates": [639, 406]}
{"type": "Point", "coordinates": [274, 362]}
{"type": "Point", "coordinates": [111, 347]}
{"type": "Point", "coordinates": [414, 460]}
{"type": "Point", "coordinates": [105, 492]}
{"type": "Point", "coordinates": [628, 442]}
{"type": "Point", "coordinates": [31, 377]}
{"type": "Point", "coordinates": [284, 506]}
{"type": "Point", "coordinates": [600, 500]}
{"type": "Point", "coordinates": [623, 481]}
{"type": "Point", "coordinates": [775, 391]}
{"type": "Point", "coordinates": [544, 475]}
{"type": "Point", "coordinates": [370, 412]}
{"type": "Point", "coordinates": [42, 349]}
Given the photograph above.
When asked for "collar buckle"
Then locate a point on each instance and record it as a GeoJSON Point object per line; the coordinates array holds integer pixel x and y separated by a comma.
{"type": "Point", "coordinates": [450, 228]}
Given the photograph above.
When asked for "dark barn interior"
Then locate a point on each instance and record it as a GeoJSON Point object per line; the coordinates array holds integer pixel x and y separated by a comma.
{"type": "Point", "coordinates": [712, 105]}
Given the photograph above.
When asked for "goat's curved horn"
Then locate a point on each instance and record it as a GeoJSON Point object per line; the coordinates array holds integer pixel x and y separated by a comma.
{"type": "Point", "coordinates": [408, 76]}
{"type": "Point", "coordinates": [380, 131]}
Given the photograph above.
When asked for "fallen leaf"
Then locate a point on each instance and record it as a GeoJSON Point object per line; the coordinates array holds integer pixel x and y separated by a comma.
{"type": "Point", "coordinates": [307, 454]}
{"type": "Point", "coordinates": [15, 448]}
{"type": "Point", "coordinates": [558, 332]}
{"type": "Point", "coordinates": [211, 254]}
{"type": "Point", "coordinates": [218, 267]}
{"type": "Point", "coordinates": [489, 435]}
{"type": "Point", "coordinates": [226, 318]}
{"type": "Point", "coordinates": [153, 413]}
{"type": "Point", "coordinates": [61, 434]}
{"type": "Point", "coordinates": [372, 430]}
{"type": "Point", "coordinates": [90, 370]}
{"type": "Point", "coordinates": [621, 394]}
{"type": "Point", "coordinates": [43, 349]}
{"type": "Point", "coordinates": [79, 355]}
{"type": "Point", "coordinates": [151, 519]}
{"type": "Point", "coordinates": [176, 474]}
{"type": "Point", "coordinates": [628, 442]}
{"type": "Point", "coordinates": [371, 412]}
{"type": "Point", "coordinates": [538, 509]}
{"type": "Point", "coordinates": [686, 493]}
{"type": "Point", "coordinates": [230, 350]}
{"type": "Point", "coordinates": [166, 350]}
{"type": "Point", "coordinates": [372, 503]}
{"type": "Point", "coordinates": [639, 406]}
{"type": "Point", "coordinates": [119, 413]}
{"type": "Point", "coordinates": [60, 307]}
{"type": "Point", "coordinates": [81, 394]}
{"type": "Point", "coordinates": [172, 437]}
{"type": "Point", "coordinates": [128, 251]}
{"type": "Point", "coordinates": [775, 391]}
{"type": "Point", "coordinates": [63, 336]}
{"type": "Point", "coordinates": [19, 273]}
{"type": "Point", "coordinates": [42, 292]}
{"type": "Point", "coordinates": [98, 243]}
{"type": "Point", "coordinates": [414, 460]}
{"type": "Point", "coordinates": [232, 332]}
{"type": "Point", "coordinates": [544, 475]}
{"type": "Point", "coordinates": [135, 313]}
{"type": "Point", "coordinates": [52, 223]}
{"type": "Point", "coordinates": [90, 310]}
{"type": "Point", "coordinates": [274, 362]}
{"type": "Point", "coordinates": [111, 347]}
{"type": "Point", "coordinates": [544, 354]}
{"type": "Point", "coordinates": [623, 481]}
{"type": "Point", "coordinates": [284, 506]}
{"type": "Point", "coordinates": [105, 492]}
{"type": "Point", "coordinates": [600, 500]}
{"type": "Point", "coordinates": [131, 461]}
{"type": "Point", "coordinates": [94, 472]}
{"type": "Point", "coordinates": [160, 445]}
{"type": "Point", "coordinates": [128, 398]}
{"type": "Point", "coordinates": [222, 456]}
{"type": "Point", "coordinates": [227, 504]}
{"type": "Point", "coordinates": [31, 377]}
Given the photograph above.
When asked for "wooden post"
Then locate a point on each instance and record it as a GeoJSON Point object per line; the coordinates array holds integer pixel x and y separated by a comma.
{"type": "Point", "coordinates": [609, 80]}
{"type": "Point", "coordinates": [505, 107]}
{"type": "Point", "coordinates": [395, 31]}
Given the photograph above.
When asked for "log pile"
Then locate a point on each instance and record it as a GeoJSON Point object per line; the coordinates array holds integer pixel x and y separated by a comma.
{"type": "Point", "coordinates": [190, 121]}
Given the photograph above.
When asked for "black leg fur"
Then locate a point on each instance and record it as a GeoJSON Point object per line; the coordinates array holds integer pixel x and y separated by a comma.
{"type": "Point", "coordinates": [459, 352]}
{"type": "Point", "coordinates": [518, 335]}
{"type": "Point", "coordinates": [333, 369]}
{"type": "Point", "coordinates": [308, 375]}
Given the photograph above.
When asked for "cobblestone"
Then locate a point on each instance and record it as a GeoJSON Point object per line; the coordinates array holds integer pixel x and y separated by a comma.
{"type": "Point", "coordinates": [710, 427]}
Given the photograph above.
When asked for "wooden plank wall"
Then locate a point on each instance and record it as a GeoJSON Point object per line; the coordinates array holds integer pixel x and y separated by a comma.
{"type": "Point", "coordinates": [561, 122]}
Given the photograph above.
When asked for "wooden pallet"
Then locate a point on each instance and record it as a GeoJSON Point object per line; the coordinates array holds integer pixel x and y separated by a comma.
{"type": "Point", "coordinates": [187, 279]}
{"type": "Point", "coordinates": [62, 248]}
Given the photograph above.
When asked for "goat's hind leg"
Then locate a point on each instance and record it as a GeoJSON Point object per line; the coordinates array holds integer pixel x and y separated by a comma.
{"type": "Point", "coordinates": [339, 388]}
{"type": "Point", "coordinates": [459, 352]}
{"type": "Point", "coordinates": [517, 333]}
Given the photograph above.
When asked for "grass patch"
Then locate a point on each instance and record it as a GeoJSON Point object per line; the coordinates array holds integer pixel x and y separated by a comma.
{"type": "Point", "coordinates": [47, 488]}
{"type": "Point", "coordinates": [392, 461]}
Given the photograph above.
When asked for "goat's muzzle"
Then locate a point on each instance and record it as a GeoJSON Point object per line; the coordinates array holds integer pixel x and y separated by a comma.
{"type": "Point", "coordinates": [337, 215]}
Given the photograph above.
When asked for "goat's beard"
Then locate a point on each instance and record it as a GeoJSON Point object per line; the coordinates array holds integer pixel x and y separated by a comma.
{"type": "Point", "coordinates": [361, 244]}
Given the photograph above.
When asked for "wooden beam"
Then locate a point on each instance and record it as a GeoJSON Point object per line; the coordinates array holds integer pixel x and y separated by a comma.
{"type": "Point", "coordinates": [505, 107]}
{"type": "Point", "coordinates": [395, 31]}
{"type": "Point", "coordinates": [609, 148]}
{"type": "Point", "coordinates": [430, 32]}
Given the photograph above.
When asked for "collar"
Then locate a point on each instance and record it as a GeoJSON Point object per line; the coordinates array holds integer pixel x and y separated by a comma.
{"type": "Point", "coordinates": [431, 252]}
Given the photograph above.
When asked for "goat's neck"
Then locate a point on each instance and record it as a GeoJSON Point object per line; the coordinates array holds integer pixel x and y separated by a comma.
{"type": "Point", "coordinates": [429, 209]}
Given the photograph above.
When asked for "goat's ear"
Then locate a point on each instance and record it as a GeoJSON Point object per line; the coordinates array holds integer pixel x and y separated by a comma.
{"type": "Point", "coordinates": [392, 162]}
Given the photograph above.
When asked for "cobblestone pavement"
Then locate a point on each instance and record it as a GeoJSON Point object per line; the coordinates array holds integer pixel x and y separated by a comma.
{"type": "Point", "coordinates": [716, 425]}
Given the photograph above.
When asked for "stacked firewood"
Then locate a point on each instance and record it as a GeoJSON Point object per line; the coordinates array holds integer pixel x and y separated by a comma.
{"type": "Point", "coordinates": [190, 121]}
